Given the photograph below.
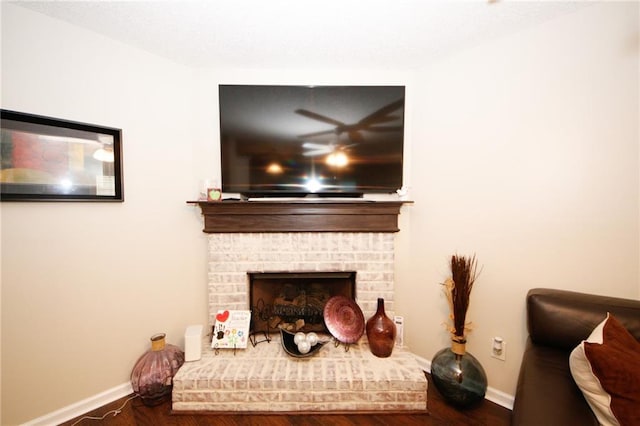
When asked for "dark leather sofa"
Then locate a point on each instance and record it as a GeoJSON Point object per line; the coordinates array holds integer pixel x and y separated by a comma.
{"type": "Point", "coordinates": [557, 321]}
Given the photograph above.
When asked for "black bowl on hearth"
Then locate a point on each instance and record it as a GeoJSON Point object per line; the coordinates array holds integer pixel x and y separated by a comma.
{"type": "Point", "coordinates": [291, 348]}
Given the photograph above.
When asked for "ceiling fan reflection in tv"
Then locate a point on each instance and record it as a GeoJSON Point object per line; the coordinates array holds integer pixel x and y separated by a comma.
{"type": "Point", "coordinates": [336, 153]}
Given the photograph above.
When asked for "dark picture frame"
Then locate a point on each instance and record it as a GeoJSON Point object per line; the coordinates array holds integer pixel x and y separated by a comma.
{"type": "Point", "coordinates": [50, 159]}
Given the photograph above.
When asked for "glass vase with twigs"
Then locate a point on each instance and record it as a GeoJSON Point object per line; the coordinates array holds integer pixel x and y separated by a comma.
{"type": "Point", "coordinates": [456, 373]}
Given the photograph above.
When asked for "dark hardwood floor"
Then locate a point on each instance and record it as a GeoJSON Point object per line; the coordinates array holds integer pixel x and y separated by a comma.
{"type": "Point", "coordinates": [136, 413]}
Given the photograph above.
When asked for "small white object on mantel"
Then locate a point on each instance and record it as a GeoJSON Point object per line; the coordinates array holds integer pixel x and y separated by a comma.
{"type": "Point", "coordinates": [403, 193]}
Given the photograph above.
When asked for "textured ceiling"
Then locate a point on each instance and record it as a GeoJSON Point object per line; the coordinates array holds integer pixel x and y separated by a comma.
{"type": "Point", "coordinates": [381, 34]}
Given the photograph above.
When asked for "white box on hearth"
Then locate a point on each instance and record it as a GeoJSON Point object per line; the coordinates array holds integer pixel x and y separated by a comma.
{"type": "Point", "coordinates": [193, 343]}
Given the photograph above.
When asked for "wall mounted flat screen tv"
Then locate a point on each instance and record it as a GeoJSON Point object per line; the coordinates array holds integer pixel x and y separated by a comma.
{"type": "Point", "coordinates": [311, 140]}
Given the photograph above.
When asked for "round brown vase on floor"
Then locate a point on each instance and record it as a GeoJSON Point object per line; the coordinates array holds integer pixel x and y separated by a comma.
{"type": "Point", "coordinates": [152, 375]}
{"type": "Point", "coordinates": [381, 332]}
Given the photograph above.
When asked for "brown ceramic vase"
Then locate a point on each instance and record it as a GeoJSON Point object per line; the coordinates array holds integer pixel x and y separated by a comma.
{"type": "Point", "coordinates": [381, 332]}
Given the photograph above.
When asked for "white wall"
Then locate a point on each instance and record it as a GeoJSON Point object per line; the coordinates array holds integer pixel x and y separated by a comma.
{"type": "Point", "coordinates": [526, 154]}
{"type": "Point", "coordinates": [84, 285]}
{"type": "Point", "coordinates": [523, 151]}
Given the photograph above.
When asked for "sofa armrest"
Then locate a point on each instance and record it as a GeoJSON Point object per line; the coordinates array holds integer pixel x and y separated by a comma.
{"type": "Point", "coordinates": [561, 318]}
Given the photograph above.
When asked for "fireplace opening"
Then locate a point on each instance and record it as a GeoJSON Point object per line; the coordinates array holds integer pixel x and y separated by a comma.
{"type": "Point", "coordinates": [295, 300]}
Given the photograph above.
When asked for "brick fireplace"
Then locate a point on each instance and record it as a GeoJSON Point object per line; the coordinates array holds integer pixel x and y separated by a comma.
{"type": "Point", "coordinates": [264, 378]}
{"type": "Point", "coordinates": [232, 256]}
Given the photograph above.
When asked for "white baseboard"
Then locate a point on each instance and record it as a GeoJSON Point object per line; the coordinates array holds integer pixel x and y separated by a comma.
{"type": "Point", "coordinates": [494, 395]}
{"type": "Point", "coordinates": [82, 407]}
{"type": "Point", "coordinates": [500, 398]}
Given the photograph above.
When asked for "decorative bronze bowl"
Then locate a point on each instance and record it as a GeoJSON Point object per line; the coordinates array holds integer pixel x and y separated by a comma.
{"type": "Point", "coordinates": [291, 348]}
{"type": "Point", "coordinates": [344, 319]}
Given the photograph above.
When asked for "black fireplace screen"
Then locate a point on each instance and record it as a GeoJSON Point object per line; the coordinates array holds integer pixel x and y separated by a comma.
{"type": "Point", "coordinates": [295, 301]}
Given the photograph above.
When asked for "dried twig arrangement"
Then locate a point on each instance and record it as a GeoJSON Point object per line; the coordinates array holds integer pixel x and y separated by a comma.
{"type": "Point", "coordinates": [458, 289]}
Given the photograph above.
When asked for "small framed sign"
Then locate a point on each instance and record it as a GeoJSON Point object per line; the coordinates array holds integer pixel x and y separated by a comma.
{"type": "Point", "coordinates": [49, 159]}
{"type": "Point", "coordinates": [231, 329]}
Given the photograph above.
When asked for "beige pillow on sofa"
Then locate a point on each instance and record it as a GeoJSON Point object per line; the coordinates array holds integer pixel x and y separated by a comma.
{"type": "Point", "coordinates": [606, 368]}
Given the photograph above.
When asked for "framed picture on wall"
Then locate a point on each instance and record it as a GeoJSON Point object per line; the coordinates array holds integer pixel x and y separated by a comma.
{"type": "Point", "coordinates": [49, 159]}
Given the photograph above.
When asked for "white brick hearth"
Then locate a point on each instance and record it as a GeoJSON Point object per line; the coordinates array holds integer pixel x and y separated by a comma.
{"type": "Point", "coordinates": [264, 377]}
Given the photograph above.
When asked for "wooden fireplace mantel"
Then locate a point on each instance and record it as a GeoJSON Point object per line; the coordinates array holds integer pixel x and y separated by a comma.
{"type": "Point", "coordinates": [300, 216]}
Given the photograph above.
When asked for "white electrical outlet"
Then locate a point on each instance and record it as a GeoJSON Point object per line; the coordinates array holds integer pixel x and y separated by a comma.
{"type": "Point", "coordinates": [499, 348]}
{"type": "Point", "coordinates": [399, 321]}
